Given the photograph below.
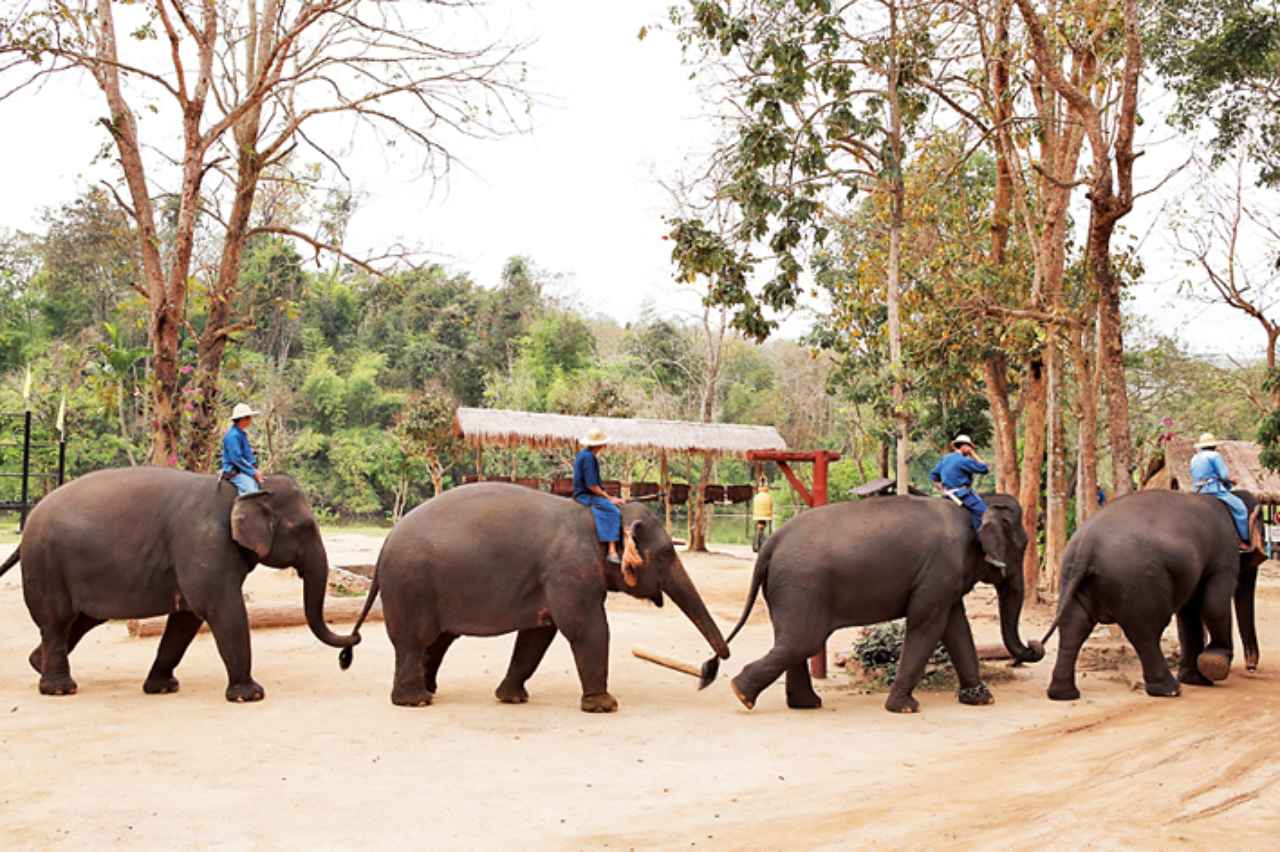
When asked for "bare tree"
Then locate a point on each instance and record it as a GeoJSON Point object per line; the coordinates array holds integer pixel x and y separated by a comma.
{"type": "Point", "coordinates": [239, 88]}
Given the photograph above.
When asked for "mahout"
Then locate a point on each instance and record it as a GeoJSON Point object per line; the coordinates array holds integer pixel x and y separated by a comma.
{"type": "Point", "coordinates": [879, 559]}
{"type": "Point", "coordinates": [152, 541]}
{"type": "Point", "coordinates": [1144, 558]}
{"type": "Point", "coordinates": [492, 558]}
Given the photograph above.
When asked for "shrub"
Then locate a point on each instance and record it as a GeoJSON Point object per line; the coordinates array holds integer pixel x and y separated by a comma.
{"type": "Point", "coordinates": [878, 648]}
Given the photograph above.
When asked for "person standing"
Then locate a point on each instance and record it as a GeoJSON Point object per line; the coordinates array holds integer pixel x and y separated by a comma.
{"type": "Point", "coordinates": [588, 490]}
{"type": "Point", "coordinates": [1209, 475]}
{"type": "Point", "coordinates": [239, 464]}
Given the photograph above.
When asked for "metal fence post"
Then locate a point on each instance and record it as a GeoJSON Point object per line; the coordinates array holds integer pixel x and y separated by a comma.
{"type": "Point", "coordinates": [26, 469]}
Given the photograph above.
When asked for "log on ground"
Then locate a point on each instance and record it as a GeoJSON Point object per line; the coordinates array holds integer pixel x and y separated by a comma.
{"type": "Point", "coordinates": [336, 611]}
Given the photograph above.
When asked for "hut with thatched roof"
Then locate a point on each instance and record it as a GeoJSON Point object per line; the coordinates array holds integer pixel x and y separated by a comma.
{"type": "Point", "coordinates": [1172, 468]}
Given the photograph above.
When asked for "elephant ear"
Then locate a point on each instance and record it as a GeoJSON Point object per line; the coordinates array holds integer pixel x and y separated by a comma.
{"type": "Point", "coordinates": [995, 535]}
{"type": "Point", "coordinates": [253, 523]}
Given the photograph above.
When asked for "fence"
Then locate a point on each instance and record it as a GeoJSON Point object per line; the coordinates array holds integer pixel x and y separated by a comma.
{"type": "Point", "coordinates": [25, 474]}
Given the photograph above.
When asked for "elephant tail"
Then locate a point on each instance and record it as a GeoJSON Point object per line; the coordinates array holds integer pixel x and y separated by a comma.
{"type": "Point", "coordinates": [711, 668]}
{"type": "Point", "coordinates": [347, 654]}
{"type": "Point", "coordinates": [1074, 579]}
{"type": "Point", "coordinates": [10, 562]}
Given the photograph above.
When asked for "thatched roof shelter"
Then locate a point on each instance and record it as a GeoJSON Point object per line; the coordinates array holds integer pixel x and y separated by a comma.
{"type": "Point", "coordinates": [493, 427]}
{"type": "Point", "coordinates": [1247, 472]}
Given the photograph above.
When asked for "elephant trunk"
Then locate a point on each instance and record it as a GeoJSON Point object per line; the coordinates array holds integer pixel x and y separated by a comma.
{"type": "Point", "coordinates": [1010, 594]}
{"type": "Point", "coordinates": [677, 585]}
{"type": "Point", "coordinates": [314, 570]}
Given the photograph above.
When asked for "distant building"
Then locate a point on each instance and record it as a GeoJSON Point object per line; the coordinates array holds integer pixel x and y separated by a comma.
{"type": "Point", "coordinates": [1172, 468]}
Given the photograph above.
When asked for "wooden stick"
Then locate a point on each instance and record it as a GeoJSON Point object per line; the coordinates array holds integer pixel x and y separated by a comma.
{"type": "Point", "coordinates": [336, 611]}
{"type": "Point", "coordinates": [667, 662]}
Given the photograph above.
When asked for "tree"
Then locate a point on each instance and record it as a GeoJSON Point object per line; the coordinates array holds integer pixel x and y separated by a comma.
{"type": "Point", "coordinates": [1222, 60]}
{"type": "Point", "coordinates": [239, 91]}
{"type": "Point", "coordinates": [424, 428]}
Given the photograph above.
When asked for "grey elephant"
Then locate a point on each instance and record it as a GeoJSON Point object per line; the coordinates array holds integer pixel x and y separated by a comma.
{"type": "Point", "coordinates": [1142, 559]}
{"type": "Point", "coordinates": [491, 558]}
{"type": "Point", "coordinates": [879, 559]}
{"type": "Point", "coordinates": [151, 541]}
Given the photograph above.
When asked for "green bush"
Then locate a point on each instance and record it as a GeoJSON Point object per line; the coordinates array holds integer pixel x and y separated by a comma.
{"type": "Point", "coordinates": [878, 648]}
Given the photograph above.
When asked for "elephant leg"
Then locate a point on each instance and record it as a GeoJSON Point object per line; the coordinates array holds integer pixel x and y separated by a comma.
{"type": "Point", "coordinates": [800, 694]}
{"type": "Point", "coordinates": [1155, 671]}
{"type": "Point", "coordinates": [957, 638]}
{"type": "Point", "coordinates": [531, 646]}
{"type": "Point", "coordinates": [924, 631]}
{"type": "Point", "coordinates": [409, 689]}
{"type": "Point", "coordinates": [55, 675]}
{"type": "Point", "coordinates": [180, 628]}
{"type": "Point", "coordinates": [1074, 628]}
{"type": "Point", "coordinates": [1191, 640]}
{"type": "Point", "coordinates": [230, 626]}
{"type": "Point", "coordinates": [588, 636]}
{"type": "Point", "coordinates": [434, 657]}
{"type": "Point", "coordinates": [1215, 609]}
{"type": "Point", "coordinates": [82, 625]}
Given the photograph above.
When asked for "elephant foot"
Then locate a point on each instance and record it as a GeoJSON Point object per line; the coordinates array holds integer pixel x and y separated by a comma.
{"type": "Point", "coordinates": [1214, 665]}
{"type": "Point", "coordinates": [1164, 690]}
{"type": "Point", "coordinates": [1251, 661]}
{"type": "Point", "coordinates": [901, 704]}
{"type": "Point", "coordinates": [57, 685]}
{"type": "Point", "coordinates": [1063, 692]}
{"type": "Point", "coordinates": [803, 702]}
{"type": "Point", "coordinates": [512, 693]}
{"type": "Point", "coordinates": [742, 696]}
{"type": "Point", "coordinates": [242, 693]}
{"type": "Point", "coordinates": [599, 702]}
{"type": "Point", "coordinates": [975, 696]}
{"type": "Point", "coordinates": [36, 660]}
{"type": "Point", "coordinates": [411, 697]}
{"type": "Point", "coordinates": [160, 685]}
{"type": "Point", "coordinates": [1193, 677]}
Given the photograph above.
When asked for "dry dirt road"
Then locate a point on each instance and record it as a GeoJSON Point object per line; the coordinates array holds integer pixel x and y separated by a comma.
{"type": "Point", "coordinates": [326, 762]}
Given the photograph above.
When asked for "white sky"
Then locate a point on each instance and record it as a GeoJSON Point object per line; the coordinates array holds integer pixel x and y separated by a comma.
{"type": "Point", "coordinates": [579, 194]}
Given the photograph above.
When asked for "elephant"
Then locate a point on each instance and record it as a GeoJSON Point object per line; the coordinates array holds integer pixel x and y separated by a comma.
{"type": "Point", "coordinates": [1137, 562]}
{"type": "Point", "coordinates": [149, 541]}
{"type": "Point", "coordinates": [491, 558]}
{"type": "Point", "coordinates": [875, 560]}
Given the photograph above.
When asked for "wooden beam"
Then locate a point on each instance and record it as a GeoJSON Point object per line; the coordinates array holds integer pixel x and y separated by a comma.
{"type": "Point", "coordinates": [796, 483]}
{"type": "Point", "coordinates": [336, 611]}
{"type": "Point", "coordinates": [664, 479]}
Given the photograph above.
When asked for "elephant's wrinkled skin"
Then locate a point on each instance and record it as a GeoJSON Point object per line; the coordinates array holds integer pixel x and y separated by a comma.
{"type": "Point", "coordinates": [1140, 560]}
{"type": "Point", "coordinates": [492, 558]}
{"type": "Point", "coordinates": [876, 560]}
{"type": "Point", "coordinates": [150, 541]}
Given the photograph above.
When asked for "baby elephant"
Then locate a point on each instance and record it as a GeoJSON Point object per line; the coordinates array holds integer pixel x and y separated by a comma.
{"type": "Point", "coordinates": [1139, 561]}
{"type": "Point", "coordinates": [492, 558]}
{"type": "Point", "coordinates": [876, 560]}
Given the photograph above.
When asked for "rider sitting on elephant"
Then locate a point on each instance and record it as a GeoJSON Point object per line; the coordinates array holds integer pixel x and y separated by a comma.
{"type": "Point", "coordinates": [1209, 475]}
{"type": "Point", "coordinates": [588, 491]}
{"type": "Point", "coordinates": [954, 475]}
{"type": "Point", "coordinates": [239, 465]}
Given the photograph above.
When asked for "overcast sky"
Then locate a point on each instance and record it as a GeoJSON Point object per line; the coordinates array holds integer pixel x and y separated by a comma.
{"type": "Point", "coordinates": [579, 194]}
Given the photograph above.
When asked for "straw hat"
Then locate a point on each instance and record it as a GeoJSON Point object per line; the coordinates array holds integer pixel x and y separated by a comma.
{"type": "Point", "coordinates": [241, 411]}
{"type": "Point", "coordinates": [595, 438]}
{"type": "Point", "coordinates": [961, 440]}
{"type": "Point", "coordinates": [1207, 441]}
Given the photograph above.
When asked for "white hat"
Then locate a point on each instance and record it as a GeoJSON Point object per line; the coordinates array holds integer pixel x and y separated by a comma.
{"type": "Point", "coordinates": [241, 411]}
{"type": "Point", "coordinates": [1207, 441]}
{"type": "Point", "coordinates": [962, 439]}
{"type": "Point", "coordinates": [595, 438]}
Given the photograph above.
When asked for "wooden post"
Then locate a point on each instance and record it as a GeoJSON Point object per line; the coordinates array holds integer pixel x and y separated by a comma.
{"type": "Point", "coordinates": [818, 662]}
{"type": "Point", "coordinates": [479, 461]}
{"type": "Point", "coordinates": [664, 477]}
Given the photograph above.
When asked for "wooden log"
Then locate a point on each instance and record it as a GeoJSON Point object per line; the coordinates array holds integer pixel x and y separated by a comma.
{"type": "Point", "coordinates": [336, 611]}
{"type": "Point", "coordinates": [994, 652]}
{"type": "Point", "coordinates": [667, 662]}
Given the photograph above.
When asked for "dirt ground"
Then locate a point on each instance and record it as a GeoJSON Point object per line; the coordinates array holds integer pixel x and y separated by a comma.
{"type": "Point", "coordinates": [327, 762]}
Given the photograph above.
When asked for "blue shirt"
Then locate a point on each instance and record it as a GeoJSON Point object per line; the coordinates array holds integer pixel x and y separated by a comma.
{"type": "Point", "coordinates": [956, 470]}
{"type": "Point", "coordinates": [237, 455]}
{"type": "Point", "coordinates": [586, 472]}
{"type": "Point", "coordinates": [1209, 473]}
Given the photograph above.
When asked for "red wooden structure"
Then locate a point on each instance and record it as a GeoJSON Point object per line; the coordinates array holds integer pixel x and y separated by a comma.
{"type": "Point", "coordinates": [817, 497]}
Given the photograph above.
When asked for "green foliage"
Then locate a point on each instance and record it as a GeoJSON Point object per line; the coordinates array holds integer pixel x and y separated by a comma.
{"type": "Point", "coordinates": [878, 649]}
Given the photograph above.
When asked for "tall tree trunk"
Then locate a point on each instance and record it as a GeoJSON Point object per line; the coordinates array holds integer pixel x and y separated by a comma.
{"type": "Point", "coordinates": [1034, 409]}
{"type": "Point", "coordinates": [1082, 340]}
{"type": "Point", "coordinates": [1112, 360]}
{"type": "Point", "coordinates": [1056, 489]}
{"type": "Point", "coordinates": [1006, 424]}
{"type": "Point", "coordinates": [698, 529]}
{"type": "Point", "coordinates": [897, 192]}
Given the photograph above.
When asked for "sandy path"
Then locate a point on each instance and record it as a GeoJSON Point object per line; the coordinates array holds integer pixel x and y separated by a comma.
{"type": "Point", "coordinates": [326, 761]}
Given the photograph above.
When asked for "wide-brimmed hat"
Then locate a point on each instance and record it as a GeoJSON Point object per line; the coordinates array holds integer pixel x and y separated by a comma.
{"type": "Point", "coordinates": [1207, 441]}
{"type": "Point", "coordinates": [595, 438]}
{"type": "Point", "coordinates": [242, 411]}
{"type": "Point", "coordinates": [961, 440]}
